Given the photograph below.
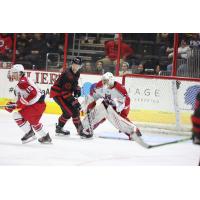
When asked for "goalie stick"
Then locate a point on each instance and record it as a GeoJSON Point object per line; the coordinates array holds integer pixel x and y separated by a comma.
{"type": "Point", "coordinates": [90, 122]}
{"type": "Point", "coordinates": [118, 124]}
{"type": "Point", "coordinates": [148, 146]}
{"type": "Point", "coordinates": [88, 113]}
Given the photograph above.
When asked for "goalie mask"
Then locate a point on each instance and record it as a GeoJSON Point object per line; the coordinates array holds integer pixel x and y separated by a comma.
{"type": "Point", "coordinates": [108, 80]}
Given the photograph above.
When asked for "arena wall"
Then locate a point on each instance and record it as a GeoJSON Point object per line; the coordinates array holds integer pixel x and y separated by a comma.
{"type": "Point", "coordinates": [149, 99]}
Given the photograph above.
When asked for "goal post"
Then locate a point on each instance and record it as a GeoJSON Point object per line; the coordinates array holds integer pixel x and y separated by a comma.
{"type": "Point", "coordinates": [162, 102]}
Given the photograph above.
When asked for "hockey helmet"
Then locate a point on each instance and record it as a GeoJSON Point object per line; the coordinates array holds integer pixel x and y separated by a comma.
{"type": "Point", "coordinates": [77, 60]}
{"type": "Point", "coordinates": [17, 68]}
{"type": "Point", "coordinates": [108, 79]}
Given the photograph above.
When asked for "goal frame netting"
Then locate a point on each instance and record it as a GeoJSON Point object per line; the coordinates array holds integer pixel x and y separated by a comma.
{"type": "Point", "coordinates": [169, 114]}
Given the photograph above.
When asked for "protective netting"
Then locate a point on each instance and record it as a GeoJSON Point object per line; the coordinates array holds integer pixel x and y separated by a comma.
{"type": "Point", "coordinates": [166, 104]}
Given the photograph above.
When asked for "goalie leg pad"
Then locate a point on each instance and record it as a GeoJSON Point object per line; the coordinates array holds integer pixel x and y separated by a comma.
{"type": "Point", "coordinates": [97, 116]}
{"type": "Point", "coordinates": [119, 122]}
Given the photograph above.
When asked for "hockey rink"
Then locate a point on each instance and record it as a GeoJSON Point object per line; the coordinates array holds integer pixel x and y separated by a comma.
{"type": "Point", "coordinates": [73, 151]}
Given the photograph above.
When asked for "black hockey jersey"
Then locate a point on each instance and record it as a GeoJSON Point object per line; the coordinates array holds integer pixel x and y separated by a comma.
{"type": "Point", "coordinates": [66, 84]}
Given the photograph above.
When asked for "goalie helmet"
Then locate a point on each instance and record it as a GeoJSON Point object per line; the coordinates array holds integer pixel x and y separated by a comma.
{"type": "Point", "coordinates": [108, 79]}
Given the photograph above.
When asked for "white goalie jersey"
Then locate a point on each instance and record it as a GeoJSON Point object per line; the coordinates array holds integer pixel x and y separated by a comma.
{"type": "Point", "coordinates": [116, 96]}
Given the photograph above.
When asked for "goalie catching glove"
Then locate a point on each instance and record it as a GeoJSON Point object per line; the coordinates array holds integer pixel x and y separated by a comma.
{"type": "Point", "coordinates": [115, 103]}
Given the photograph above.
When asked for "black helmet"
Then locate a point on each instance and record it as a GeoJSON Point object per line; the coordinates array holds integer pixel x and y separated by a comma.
{"type": "Point", "coordinates": [77, 60]}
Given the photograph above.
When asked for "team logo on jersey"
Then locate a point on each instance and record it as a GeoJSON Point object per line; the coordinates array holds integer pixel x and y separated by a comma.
{"type": "Point", "coordinates": [68, 85]}
{"type": "Point", "coordinates": [70, 77]}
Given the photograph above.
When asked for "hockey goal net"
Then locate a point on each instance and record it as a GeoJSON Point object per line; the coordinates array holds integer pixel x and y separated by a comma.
{"type": "Point", "coordinates": [162, 103]}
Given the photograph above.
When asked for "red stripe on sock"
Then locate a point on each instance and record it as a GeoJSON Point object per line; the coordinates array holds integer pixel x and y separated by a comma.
{"type": "Point", "coordinates": [196, 120]}
{"type": "Point", "coordinates": [64, 106]}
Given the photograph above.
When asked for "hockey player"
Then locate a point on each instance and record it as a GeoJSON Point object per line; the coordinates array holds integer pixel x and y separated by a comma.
{"type": "Point", "coordinates": [196, 121]}
{"type": "Point", "coordinates": [31, 105]}
{"type": "Point", "coordinates": [114, 107]}
{"type": "Point", "coordinates": [65, 92]}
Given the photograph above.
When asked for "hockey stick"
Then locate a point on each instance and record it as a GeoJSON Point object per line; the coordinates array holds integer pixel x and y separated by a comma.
{"type": "Point", "coordinates": [172, 142]}
{"type": "Point", "coordinates": [148, 146]}
{"type": "Point", "coordinates": [88, 113]}
{"type": "Point", "coordinates": [8, 106]}
{"type": "Point", "coordinates": [90, 122]}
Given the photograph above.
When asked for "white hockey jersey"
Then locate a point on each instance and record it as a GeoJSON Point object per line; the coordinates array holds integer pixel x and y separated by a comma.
{"type": "Point", "coordinates": [27, 92]}
{"type": "Point", "coordinates": [117, 93]}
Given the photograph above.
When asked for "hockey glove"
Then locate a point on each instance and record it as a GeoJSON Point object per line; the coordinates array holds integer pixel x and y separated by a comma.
{"type": "Point", "coordinates": [77, 92]}
{"type": "Point", "coordinates": [76, 104]}
{"type": "Point", "coordinates": [108, 102]}
{"type": "Point", "coordinates": [70, 99]}
{"type": "Point", "coordinates": [10, 106]}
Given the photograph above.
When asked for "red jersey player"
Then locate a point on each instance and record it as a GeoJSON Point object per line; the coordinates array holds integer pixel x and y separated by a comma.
{"type": "Point", "coordinates": [114, 107]}
{"type": "Point", "coordinates": [196, 121]}
{"type": "Point", "coordinates": [31, 105]}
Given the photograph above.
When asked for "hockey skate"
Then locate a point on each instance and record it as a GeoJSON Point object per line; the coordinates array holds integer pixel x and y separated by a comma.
{"type": "Point", "coordinates": [45, 139]}
{"type": "Point", "coordinates": [60, 131]}
{"type": "Point", "coordinates": [131, 136]}
{"type": "Point", "coordinates": [28, 137]}
{"type": "Point", "coordinates": [85, 134]}
{"type": "Point", "coordinates": [196, 138]}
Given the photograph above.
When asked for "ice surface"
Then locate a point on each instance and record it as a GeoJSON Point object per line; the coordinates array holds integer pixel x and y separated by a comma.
{"type": "Point", "coordinates": [73, 151]}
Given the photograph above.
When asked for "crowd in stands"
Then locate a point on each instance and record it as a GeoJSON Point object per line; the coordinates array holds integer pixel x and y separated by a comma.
{"type": "Point", "coordinates": [141, 53]}
{"type": "Point", "coordinates": [5, 47]}
{"type": "Point", "coordinates": [32, 48]}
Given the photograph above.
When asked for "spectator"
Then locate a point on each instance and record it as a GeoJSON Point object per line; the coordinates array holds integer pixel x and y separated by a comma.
{"type": "Point", "coordinates": [99, 68]}
{"type": "Point", "coordinates": [151, 66]}
{"type": "Point", "coordinates": [22, 42]}
{"type": "Point", "coordinates": [52, 42]}
{"type": "Point", "coordinates": [5, 47]}
{"type": "Point", "coordinates": [111, 51]}
{"type": "Point", "coordinates": [184, 53]}
{"type": "Point", "coordinates": [195, 41]}
{"type": "Point", "coordinates": [138, 69]}
{"type": "Point", "coordinates": [125, 69]}
{"type": "Point", "coordinates": [36, 51]}
{"type": "Point", "coordinates": [166, 40]}
{"type": "Point", "coordinates": [183, 50]}
{"type": "Point", "coordinates": [87, 68]}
